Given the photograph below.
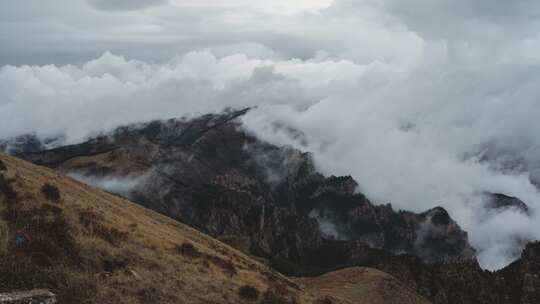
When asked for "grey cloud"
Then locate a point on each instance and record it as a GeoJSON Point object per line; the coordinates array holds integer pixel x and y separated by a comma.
{"type": "Point", "coordinates": [424, 102]}
{"type": "Point", "coordinates": [115, 5]}
{"type": "Point", "coordinates": [468, 20]}
{"type": "Point", "coordinates": [120, 185]}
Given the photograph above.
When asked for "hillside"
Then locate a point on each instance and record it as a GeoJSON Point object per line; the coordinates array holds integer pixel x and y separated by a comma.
{"type": "Point", "coordinates": [89, 246]}
{"type": "Point", "coordinates": [361, 286]}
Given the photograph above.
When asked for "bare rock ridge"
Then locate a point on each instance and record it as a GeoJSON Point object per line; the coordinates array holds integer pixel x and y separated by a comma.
{"type": "Point", "coordinates": [210, 174]}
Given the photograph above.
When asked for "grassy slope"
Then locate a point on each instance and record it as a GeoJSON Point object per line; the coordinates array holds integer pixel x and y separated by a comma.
{"type": "Point", "coordinates": [89, 246]}
{"type": "Point", "coordinates": [104, 249]}
{"type": "Point", "coordinates": [361, 286]}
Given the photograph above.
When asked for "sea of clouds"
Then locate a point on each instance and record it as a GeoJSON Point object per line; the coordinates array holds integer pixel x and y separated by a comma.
{"type": "Point", "coordinates": [424, 103]}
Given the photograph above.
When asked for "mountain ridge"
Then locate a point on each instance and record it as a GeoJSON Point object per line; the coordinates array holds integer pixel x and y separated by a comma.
{"type": "Point", "coordinates": [225, 182]}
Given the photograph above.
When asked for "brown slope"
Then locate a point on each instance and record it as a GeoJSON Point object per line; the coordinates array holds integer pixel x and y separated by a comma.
{"type": "Point", "coordinates": [92, 247]}
{"type": "Point", "coordinates": [360, 285]}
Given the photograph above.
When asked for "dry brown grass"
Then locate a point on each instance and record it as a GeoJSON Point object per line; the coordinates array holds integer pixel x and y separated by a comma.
{"type": "Point", "coordinates": [51, 192]}
{"type": "Point", "coordinates": [360, 286]}
{"type": "Point", "coordinates": [97, 248]}
{"type": "Point", "coordinates": [249, 293]}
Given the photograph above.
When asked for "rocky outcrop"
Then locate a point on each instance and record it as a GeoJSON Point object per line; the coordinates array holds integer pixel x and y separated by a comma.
{"type": "Point", "coordinates": [36, 296]}
{"type": "Point", "coordinates": [498, 201]}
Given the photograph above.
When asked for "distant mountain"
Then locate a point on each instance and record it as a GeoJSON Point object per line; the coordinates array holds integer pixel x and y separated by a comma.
{"type": "Point", "coordinates": [29, 143]}
{"type": "Point", "coordinates": [210, 174]}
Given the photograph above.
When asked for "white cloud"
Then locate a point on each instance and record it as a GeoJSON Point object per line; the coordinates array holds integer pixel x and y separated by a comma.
{"type": "Point", "coordinates": [260, 6]}
{"type": "Point", "coordinates": [118, 185]}
{"type": "Point", "coordinates": [424, 102]}
{"type": "Point", "coordinates": [114, 5]}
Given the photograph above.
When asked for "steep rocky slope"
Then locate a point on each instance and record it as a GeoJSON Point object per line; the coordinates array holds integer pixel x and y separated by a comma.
{"type": "Point", "coordinates": [210, 174]}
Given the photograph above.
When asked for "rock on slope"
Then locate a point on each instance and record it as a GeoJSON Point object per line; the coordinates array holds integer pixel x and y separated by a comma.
{"type": "Point", "coordinates": [89, 246]}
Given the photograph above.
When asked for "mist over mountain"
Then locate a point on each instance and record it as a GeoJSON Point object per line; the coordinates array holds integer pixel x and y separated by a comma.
{"type": "Point", "coordinates": [411, 141]}
{"type": "Point", "coordinates": [271, 203]}
{"type": "Point", "coordinates": [422, 103]}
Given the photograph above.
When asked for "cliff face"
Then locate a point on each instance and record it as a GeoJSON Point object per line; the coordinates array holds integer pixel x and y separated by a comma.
{"type": "Point", "coordinates": [210, 174]}
{"type": "Point", "coordinates": [466, 282]}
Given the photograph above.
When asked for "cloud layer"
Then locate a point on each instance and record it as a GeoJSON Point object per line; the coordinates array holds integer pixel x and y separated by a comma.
{"type": "Point", "coordinates": [425, 103]}
{"type": "Point", "coordinates": [113, 5]}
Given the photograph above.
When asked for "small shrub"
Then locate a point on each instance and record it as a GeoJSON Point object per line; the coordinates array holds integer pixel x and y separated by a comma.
{"type": "Point", "coordinates": [249, 293]}
{"type": "Point", "coordinates": [77, 290]}
{"type": "Point", "coordinates": [111, 235]}
{"type": "Point", "coordinates": [6, 190]}
{"type": "Point", "coordinates": [51, 192]}
{"type": "Point", "coordinates": [47, 234]}
{"type": "Point", "coordinates": [92, 224]}
{"type": "Point", "coordinates": [114, 263]}
{"type": "Point", "coordinates": [4, 236]}
{"type": "Point", "coordinates": [324, 300]}
{"type": "Point", "coordinates": [19, 272]}
{"type": "Point", "coordinates": [188, 250]}
{"type": "Point", "coordinates": [154, 294]}
{"type": "Point", "coordinates": [2, 166]}
{"type": "Point", "coordinates": [225, 265]}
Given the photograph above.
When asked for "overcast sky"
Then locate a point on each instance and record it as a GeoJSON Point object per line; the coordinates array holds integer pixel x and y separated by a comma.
{"type": "Point", "coordinates": [424, 102]}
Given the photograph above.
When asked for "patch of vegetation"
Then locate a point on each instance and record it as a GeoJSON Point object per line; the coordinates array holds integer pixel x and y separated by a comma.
{"type": "Point", "coordinates": [41, 232]}
{"type": "Point", "coordinates": [2, 166]}
{"type": "Point", "coordinates": [51, 192]}
{"type": "Point", "coordinates": [4, 236]}
{"type": "Point", "coordinates": [188, 250]}
{"type": "Point", "coordinates": [249, 293]}
{"type": "Point", "coordinates": [7, 191]}
{"type": "Point", "coordinates": [273, 297]}
{"type": "Point", "coordinates": [151, 294]}
{"type": "Point", "coordinates": [114, 263]}
{"type": "Point", "coordinates": [324, 300]}
{"type": "Point", "coordinates": [291, 269]}
{"type": "Point", "coordinates": [77, 290]}
{"type": "Point", "coordinates": [92, 222]}
{"type": "Point", "coordinates": [40, 250]}
{"type": "Point", "coordinates": [226, 265]}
